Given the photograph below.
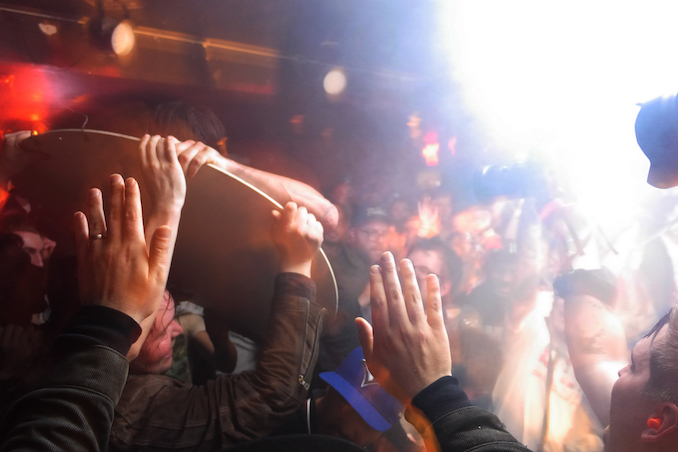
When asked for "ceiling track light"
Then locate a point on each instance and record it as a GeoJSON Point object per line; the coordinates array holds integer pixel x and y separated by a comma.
{"type": "Point", "coordinates": [111, 34]}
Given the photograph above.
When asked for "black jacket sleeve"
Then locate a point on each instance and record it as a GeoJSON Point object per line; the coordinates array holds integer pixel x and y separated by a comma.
{"type": "Point", "coordinates": [443, 409]}
{"type": "Point", "coordinates": [72, 408]}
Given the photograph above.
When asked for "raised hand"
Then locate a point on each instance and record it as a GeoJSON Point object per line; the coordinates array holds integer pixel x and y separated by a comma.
{"type": "Point", "coordinates": [407, 347]}
{"type": "Point", "coordinates": [297, 235]}
{"type": "Point", "coordinates": [114, 267]}
{"type": "Point", "coordinates": [163, 176]}
{"type": "Point", "coordinates": [194, 154]}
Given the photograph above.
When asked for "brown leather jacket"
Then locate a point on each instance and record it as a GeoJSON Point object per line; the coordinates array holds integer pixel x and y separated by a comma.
{"type": "Point", "coordinates": [160, 413]}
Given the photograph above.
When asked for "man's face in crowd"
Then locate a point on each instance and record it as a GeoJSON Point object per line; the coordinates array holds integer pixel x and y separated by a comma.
{"type": "Point", "coordinates": [37, 247]}
{"type": "Point", "coordinates": [155, 356]}
{"type": "Point", "coordinates": [426, 262]}
{"type": "Point", "coordinates": [502, 278]}
{"type": "Point", "coordinates": [22, 284]}
{"type": "Point", "coordinates": [371, 239]}
{"type": "Point", "coordinates": [629, 409]}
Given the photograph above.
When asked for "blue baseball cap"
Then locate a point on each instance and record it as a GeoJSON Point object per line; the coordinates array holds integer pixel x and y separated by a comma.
{"type": "Point", "coordinates": [357, 385]}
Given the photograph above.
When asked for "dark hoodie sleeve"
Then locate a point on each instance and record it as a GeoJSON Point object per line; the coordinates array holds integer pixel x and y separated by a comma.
{"type": "Point", "coordinates": [443, 409]}
{"type": "Point", "coordinates": [72, 407]}
{"type": "Point", "coordinates": [99, 325]}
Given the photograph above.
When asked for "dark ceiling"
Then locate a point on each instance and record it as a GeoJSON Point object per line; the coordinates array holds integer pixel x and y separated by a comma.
{"type": "Point", "coordinates": [258, 64]}
{"type": "Point", "coordinates": [237, 45]}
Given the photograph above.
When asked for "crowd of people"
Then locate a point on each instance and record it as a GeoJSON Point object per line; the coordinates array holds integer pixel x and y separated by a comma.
{"type": "Point", "coordinates": [456, 329]}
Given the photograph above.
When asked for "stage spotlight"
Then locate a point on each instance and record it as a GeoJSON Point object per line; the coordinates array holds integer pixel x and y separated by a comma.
{"type": "Point", "coordinates": [114, 35]}
{"type": "Point", "coordinates": [335, 82]}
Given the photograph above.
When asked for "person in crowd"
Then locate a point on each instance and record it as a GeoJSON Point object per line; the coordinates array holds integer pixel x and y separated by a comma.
{"type": "Point", "coordinates": [122, 278]}
{"type": "Point", "coordinates": [201, 134]}
{"type": "Point", "coordinates": [157, 412]}
{"type": "Point", "coordinates": [364, 242]}
{"type": "Point", "coordinates": [508, 283]}
{"type": "Point", "coordinates": [433, 256]}
{"type": "Point", "coordinates": [38, 246]}
{"type": "Point", "coordinates": [407, 351]}
{"type": "Point", "coordinates": [515, 362]}
{"type": "Point", "coordinates": [633, 396]}
{"type": "Point", "coordinates": [22, 284]}
{"type": "Point", "coordinates": [353, 406]}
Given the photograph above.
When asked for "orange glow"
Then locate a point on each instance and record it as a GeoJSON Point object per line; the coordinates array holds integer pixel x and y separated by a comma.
{"type": "Point", "coordinates": [430, 153]}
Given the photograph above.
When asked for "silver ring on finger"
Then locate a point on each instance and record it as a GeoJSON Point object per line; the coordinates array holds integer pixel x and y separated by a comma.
{"type": "Point", "coordinates": [96, 237]}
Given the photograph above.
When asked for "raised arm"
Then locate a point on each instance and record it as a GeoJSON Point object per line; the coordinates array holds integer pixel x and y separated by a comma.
{"type": "Point", "coordinates": [72, 408]}
{"type": "Point", "coordinates": [408, 352]}
{"type": "Point", "coordinates": [298, 237]}
{"type": "Point", "coordinates": [193, 155]}
{"type": "Point", "coordinates": [595, 336]}
{"type": "Point", "coordinates": [251, 404]}
{"type": "Point", "coordinates": [165, 183]}
{"type": "Point", "coordinates": [164, 180]}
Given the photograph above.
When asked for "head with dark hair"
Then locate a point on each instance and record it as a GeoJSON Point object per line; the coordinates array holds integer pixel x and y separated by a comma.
{"type": "Point", "coordinates": [663, 382]}
{"type": "Point", "coordinates": [503, 273]}
{"type": "Point", "coordinates": [187, 122]}
{"type": "Point", "coordinates": [369, 232]}
{"type": "Point", "coordinates": [155, 356]}
{"type": "Point", "coordinates": [35, 243]}
{"type": "Point", "coordinates": [434, 256]}
{"type": "Point", "coordinates": [22, 285]}
{"type": "Point", "coordinates": [644, 401]}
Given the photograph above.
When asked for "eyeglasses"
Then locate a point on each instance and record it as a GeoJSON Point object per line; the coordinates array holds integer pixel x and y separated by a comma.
{"type": "Point", "coordinates": [374, 235]}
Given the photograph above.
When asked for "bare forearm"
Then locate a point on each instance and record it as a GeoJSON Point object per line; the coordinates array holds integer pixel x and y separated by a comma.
{"type": "Point", "coordinates": [283, 189]}
{"type": "Point", "coordinates": [593, 332]}
{"type": "Point", "coordinates": [597, 347]}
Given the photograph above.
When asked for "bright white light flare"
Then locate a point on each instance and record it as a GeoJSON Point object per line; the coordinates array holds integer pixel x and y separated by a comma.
{"type": "Point", "coordinates": [563, 79]}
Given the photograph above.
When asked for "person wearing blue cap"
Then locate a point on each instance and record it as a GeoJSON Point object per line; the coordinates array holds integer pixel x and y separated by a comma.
{"type": "Point", "coordinates": [354, 406]}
